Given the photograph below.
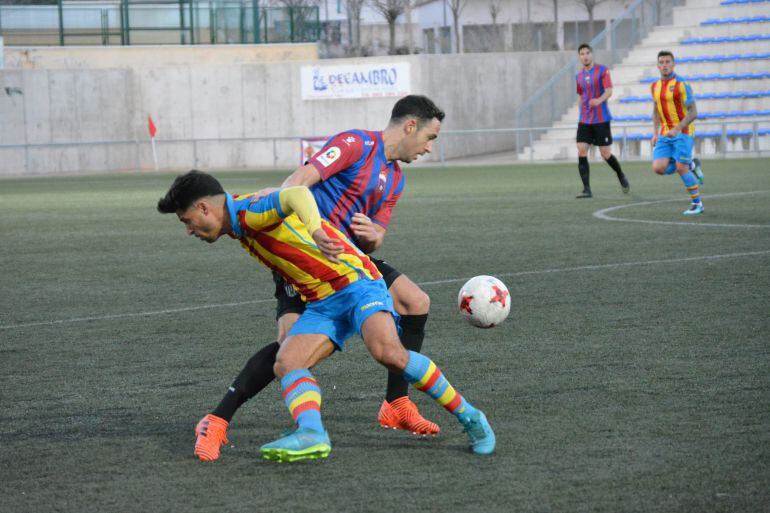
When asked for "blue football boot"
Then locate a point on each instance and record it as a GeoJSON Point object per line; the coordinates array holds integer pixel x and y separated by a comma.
{"type": "Point", "coordinates": [301, 444]}
{"type": "Point", "coordinates": [697, 170]}
{"type": "Point", "coordinates": [695, 209]}
{"type": "Point", "coordinates": [479, 432]}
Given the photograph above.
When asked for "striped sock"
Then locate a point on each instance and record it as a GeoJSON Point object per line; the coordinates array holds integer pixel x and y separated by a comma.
{"type": "Point", "coordinates": [691, 183]}
{"type": "Point", "coordinates": [421, 372]}
{"type": "Point", "coordinates": [302, 396]}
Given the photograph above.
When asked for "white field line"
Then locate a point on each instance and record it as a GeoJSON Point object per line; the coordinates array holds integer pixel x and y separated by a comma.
{"type": "Point", "coordinates": [595, 267]}
{"type": "Point", "coordinates": [603, 213]}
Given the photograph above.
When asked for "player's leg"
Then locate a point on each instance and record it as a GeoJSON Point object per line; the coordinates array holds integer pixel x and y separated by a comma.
{"type": "Point", "coordinates": [584, 140]}
{"type": "Point", "coordinates": [662, 156]}
{"type": "Point", "coordinates": [211, 430]}
{"type": "Point", "coordinates": [697, 168]}
{"type": "Point", "coordinates": [381, 339]}
{"type": "Point", "coordinates": [683, 156]}
{"type": "Point", "coordinates": [397, 411]}
{"type": "Point", "coordinates": [605, 149]}
{"type": "Point", "coordinates": [302, 396]}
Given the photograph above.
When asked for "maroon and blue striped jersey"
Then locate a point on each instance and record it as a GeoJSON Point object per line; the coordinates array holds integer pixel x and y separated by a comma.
{"type": "Point", "coordinates": [591, 83]}
{"type": "Point", "coordinates": [356, 177]}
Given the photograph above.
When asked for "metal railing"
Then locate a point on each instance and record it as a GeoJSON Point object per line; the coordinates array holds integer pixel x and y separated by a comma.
{"type": "Point", "coordinates": [550, 102]}
{"type": "Point", "coordinates": [285, 152]}
{"type": "Point", "coordinates": [125, 22]}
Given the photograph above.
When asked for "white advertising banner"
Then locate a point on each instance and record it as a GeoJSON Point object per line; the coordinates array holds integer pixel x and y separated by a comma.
{"type": "Point", "coordinates": [2, 59]}
{"type": "Point", "coordinates": [355, 81]}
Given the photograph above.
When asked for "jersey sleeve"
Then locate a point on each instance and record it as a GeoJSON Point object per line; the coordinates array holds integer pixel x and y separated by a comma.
{"type": "Point", "coordinates": [606, 80]}
{"type": "Point", "coordinates": [382, 217]}
{"type": "Point", "coordinates": [688, 98]}
{"type": "Point", "coordinates": [578, 87]}
{"type": "Point", "coordinates": [263, 212]}
{"type": "Point", "coordinates": [339, 153]}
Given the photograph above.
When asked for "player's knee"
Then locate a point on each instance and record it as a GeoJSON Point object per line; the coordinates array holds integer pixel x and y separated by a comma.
{"type": "Point", "coordinates": [391, 355]}
{"type": "Point", "coordinates": [282, 367]}
{"type": "Point", "coordinates": [606, 153]}
{"type": "Point", "coordinates": [658, 169]}
{"type": "Point", "coordinates": [408, 298]}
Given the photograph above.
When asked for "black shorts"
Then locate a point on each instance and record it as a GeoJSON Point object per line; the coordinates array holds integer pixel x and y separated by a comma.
{"type": "Point", "coordinates": [598, 134]}
{"type": "Point", "coordinates": [289, 300]}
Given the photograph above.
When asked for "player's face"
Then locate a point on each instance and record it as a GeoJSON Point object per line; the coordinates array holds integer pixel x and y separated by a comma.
{"type": "Point", "coordinates": [199, 221]}
{"type": "Point", "coordinates": [665, 65]}
{"type": "Point", "coordinates": [586, 57]}
{"type": "Point", "coordinates": [419, 141]}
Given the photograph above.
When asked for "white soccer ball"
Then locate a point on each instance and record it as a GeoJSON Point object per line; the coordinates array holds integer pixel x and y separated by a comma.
{"type": "Point", "coordinates": [484, 301]}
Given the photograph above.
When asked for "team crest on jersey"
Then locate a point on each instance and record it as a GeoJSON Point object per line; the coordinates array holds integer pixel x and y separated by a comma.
{"type": "Point", "coordinates": [329, 156]}
{"type": "Point", "coordinates": [671, 88]}
{"type": "Point", "coordinates": [383, 180]}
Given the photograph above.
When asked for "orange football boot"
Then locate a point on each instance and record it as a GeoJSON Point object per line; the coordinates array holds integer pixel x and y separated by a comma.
{"type": "Point", "coordinates": [212, 433]}
{"type": "Point", "coordinates": [403, 414]}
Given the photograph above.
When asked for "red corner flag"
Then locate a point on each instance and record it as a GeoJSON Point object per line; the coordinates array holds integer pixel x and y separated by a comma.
{"type": "Point", "coordinates": [151, 127]}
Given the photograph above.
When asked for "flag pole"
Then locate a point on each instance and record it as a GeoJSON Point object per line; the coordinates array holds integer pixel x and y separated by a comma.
{"type": "Point", "coordinates": [154, 153]}
{"type": "Point", "coordinates": [153, 130]}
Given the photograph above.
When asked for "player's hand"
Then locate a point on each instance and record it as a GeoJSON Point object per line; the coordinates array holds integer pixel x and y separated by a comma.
{"type": "Point", "coordinates": [654, 140]}
{"type": "Point", "coordinates": [672, 133]}
{"type": "Point", "coordinates": [329, 247]}
{"type": "Point", "coordinates": [594, 102]}
{"type": "Point", "coordinates": [262, 193]}
{"type": "Point", "coordinates": [364, 229]}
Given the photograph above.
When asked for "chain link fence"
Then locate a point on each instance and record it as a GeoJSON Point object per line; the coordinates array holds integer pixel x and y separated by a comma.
{"type": "Point", "coordinates": [151, 22]}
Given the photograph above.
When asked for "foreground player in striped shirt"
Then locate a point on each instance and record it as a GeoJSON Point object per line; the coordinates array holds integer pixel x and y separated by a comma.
{"type": "Point", "coordinates": [356, 181]}
{"type": "Point", "coordinates": [594, 86]}
{"type": "Point", "coordinates": [345, 295]}
{"type": "Point", "coordinates": [673, 112]}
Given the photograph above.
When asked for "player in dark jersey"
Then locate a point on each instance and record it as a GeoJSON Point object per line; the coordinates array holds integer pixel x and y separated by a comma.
{"type": "Point", "coordinates": [356, 181]}
{"type": "Point", "coordinates": [594, 86]}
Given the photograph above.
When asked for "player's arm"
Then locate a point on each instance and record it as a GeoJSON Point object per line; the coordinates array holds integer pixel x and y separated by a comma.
{"type": "Point", "coordinates": [692, 114]}
{"type": "Point", "coordinates": [306, 175]}
{"type": "Point", "coordinates": [595, 102]}
{"type": "Point", "coordinates": [655, 124]}
{"type": "Point", "coordinates": [300, 200]}
{"type": "Point", "coordinates": [369, 235]}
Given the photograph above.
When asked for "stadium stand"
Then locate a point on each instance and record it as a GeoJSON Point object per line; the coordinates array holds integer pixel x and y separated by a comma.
{"type": "Point", "coordinates": [725, 56]}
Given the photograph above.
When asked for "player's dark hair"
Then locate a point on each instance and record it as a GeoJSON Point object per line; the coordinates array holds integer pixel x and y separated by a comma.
{"type": "Point", "coordinates": [666, 53]}
{"type": "Point", "coordinates": [187, 189]}
{"type": "Point", "coordinates": [416, 106]}
{"type": "Point", "coordinates": [585, 45]}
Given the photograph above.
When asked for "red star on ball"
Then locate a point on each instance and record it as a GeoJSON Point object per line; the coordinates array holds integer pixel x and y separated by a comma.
{"type": "Point", "coordinates": [500, 295]}
{"type": "Point", "coordinates": [465, 304]}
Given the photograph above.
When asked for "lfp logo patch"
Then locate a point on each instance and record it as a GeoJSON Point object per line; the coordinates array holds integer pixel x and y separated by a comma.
{"type": "Point", "coordinates": [329, 156]}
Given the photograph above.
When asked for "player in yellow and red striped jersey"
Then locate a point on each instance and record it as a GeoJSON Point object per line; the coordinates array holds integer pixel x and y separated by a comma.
{"type": "Point", "coordinates": [673, 112]}
{"type": "Point", "coordinates": [345, 293]}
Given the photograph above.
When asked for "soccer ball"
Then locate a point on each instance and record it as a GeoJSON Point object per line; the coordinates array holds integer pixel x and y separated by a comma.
{"type": "Point", "coordinates": [484, 301]}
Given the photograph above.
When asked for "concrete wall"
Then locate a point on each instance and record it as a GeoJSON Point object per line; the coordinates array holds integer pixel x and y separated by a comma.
{"type": "Point", "coordinates": [95, 57]}
{"type": "Point", "coordinates": [208, 115]}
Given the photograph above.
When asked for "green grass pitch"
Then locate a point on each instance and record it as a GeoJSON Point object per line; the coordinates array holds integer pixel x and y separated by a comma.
{"type": "Point", "coordinates": [632, 375]}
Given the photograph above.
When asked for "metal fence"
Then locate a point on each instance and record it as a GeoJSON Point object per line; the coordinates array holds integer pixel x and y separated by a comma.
{"type": "Point", "coordinates": [549, 102]}
{"type": "Point", "coordinates": [126, 22]}
{"type": "Point", "coordinates": [286, 152]}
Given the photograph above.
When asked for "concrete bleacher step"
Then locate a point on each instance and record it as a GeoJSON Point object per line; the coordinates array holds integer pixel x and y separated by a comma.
{"type": "Point", "coordinates": [686, 15]}
{"type": "Point", "coordinates": [727, 75]}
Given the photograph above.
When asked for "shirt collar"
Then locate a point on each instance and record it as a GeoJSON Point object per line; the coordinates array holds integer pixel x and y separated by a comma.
{"type": "Point", "coordinates": [232, 211]}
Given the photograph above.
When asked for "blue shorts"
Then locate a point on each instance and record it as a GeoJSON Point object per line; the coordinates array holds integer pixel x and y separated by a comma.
{"type": "Point", "coordinates": [679, 148]}
{"type": "Point", "coordinates": [341, 315]}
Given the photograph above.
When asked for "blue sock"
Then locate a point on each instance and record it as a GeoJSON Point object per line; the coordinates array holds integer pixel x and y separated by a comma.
{"type": "Point", "coordinates": [421, 372]}
{"type": "Point", "coordinates": [691, 184]}
{"type": "Point", "coordinates": [302, 396]}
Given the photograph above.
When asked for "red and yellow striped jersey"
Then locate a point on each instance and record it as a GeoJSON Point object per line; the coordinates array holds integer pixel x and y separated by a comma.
{"type": "Point", "coordinates": [281, 242]}
{"type": "Point", "coordinates": [672, 98]}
